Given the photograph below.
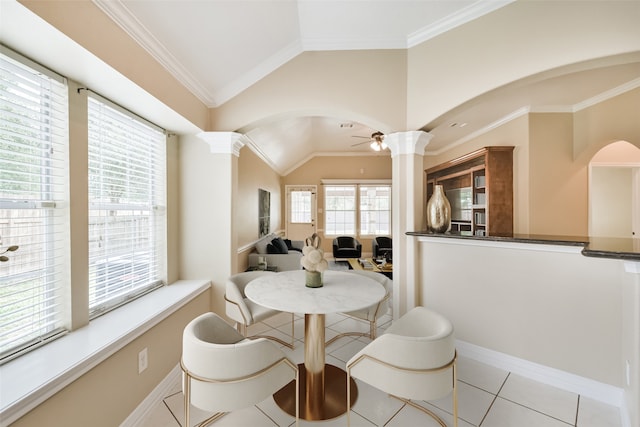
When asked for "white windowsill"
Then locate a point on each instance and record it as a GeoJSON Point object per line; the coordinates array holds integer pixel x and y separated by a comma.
{"type": "Point", "coordinates": [32, 378]}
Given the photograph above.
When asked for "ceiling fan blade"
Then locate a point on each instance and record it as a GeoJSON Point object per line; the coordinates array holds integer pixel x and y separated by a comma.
{"type": "Point", "coordinates": [360, 143]}
{"type": "Point", "coordinates": [358, 136]}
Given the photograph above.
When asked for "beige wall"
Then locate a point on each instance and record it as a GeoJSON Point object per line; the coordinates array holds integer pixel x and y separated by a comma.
{"type": "Point", "coordinates": [609, 121]}
{"type": "Point", "coordinates": [86, 24]}
{"type": "Point", "coordinates": [344, 167]}
{"type": "Point", "coordinates": [106, 395]}
{"type": "Point", "coordinates": [610, 202]}
{"type": "Point", "coordinates": [365, 86]}
{"type": "Point", "coordinates": [551, 185]}
{"type": "Point", "coordinates": [558, 185]}
{"type": "Point", "coordinates": [560, 310]}
{"type": "Point", "coordinates": [254, 174]}
{"type": "Point", "coordinates": [514, 42]}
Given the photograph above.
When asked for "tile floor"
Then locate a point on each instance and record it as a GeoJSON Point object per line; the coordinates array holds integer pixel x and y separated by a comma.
{"type": "Point", "coordinates": [487, 396]}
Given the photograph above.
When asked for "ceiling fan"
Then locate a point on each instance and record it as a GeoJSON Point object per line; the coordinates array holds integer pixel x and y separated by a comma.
{"type": "Point", "coordinates": [376, 141]}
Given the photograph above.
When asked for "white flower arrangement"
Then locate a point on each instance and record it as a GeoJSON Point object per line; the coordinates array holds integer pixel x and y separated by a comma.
{"type": "Point", "coordinates": [312, 256]}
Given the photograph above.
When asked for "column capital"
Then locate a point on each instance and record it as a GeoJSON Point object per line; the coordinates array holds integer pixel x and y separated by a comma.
{"type": "Point", "coordinates": [410, 142]}
{"type": "Point", "coordinates": [223, 142]}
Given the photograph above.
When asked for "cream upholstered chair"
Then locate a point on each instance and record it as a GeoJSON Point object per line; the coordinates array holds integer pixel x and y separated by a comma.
{"type": "Point", "coordinates": [415, 359]}
{"type": "Point", "coordinates": [223, 371]}
{"type": "Point", "coordinates": [245, 312]}
{"type": "Point", "coordinates": [373, 313]}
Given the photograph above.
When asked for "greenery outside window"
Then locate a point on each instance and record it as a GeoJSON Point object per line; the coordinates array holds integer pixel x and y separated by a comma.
{"type": "Point", "coordinates": [34, 214]}
{"type": "Point", "coordinates": [127, 206]}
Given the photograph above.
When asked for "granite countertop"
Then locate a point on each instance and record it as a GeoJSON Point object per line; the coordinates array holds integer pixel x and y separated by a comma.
{"type": "Point", "coordinates": [602, 247]}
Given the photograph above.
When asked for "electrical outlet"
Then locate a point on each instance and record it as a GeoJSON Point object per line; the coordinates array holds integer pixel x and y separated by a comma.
{"type": "Point", "coordinates": [143, 360]}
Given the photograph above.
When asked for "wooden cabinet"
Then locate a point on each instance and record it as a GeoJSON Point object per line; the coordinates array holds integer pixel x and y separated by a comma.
{"type": "Point", "coordinates": [479, 186]}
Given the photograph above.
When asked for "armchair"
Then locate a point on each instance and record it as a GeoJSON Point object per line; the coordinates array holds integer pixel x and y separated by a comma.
{"type": "Point", "coordinates": [380, 246]}
{"type": "Point", "coordinates": [245, 312]}
{"type": "Point", "coordinates": [346, 247]}
{"type": "Point", "coordinates": [223, 371]}
{"type": "Point", "coordinates": [373, 313]}
{"type": "Point", "coordinates": [414, 359]}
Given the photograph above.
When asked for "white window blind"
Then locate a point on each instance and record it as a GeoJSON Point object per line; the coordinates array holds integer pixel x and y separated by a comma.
{"type": "Point", "coordinates": [33, 204]}
{"type": "Point", "coordinates": [127, 206]}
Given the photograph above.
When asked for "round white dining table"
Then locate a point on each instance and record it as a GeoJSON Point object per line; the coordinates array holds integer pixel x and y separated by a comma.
{"type": "Point", "coordinates": [322, 388]}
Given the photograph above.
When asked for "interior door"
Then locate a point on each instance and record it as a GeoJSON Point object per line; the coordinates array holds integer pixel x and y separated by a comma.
{"type": "Point", "coordinates": [301, 211]}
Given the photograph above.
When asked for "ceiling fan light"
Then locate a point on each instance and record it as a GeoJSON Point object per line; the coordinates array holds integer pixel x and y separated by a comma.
{"type": "Point", "coordinates": [383, 145]}
{"type": "Point", "coordinates": [375, 146]}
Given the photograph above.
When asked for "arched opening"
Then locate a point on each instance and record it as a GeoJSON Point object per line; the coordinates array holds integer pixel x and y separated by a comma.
{"type": "Point", "coordinates": [614, 191]}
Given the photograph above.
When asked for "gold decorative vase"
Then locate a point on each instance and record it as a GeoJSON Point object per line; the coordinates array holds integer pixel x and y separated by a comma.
{"type": "Point", "coordinates": [438, 211]}
{"type": "Point", "coordinates": [313, 279]}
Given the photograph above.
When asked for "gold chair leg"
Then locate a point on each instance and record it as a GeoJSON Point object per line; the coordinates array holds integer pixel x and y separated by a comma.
{"type": "Point", "coordinates": [425, 410]}
{"type": "Point", "coordinates": [186, 387]}
{"type": "Point", "coordinates": [455, 394]}
{"type": "Point", "coordinates": [292, 331]}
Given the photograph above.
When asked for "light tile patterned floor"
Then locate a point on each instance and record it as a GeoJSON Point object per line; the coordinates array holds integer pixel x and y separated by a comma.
{"type": "Point", "coordinates": [487, 396]}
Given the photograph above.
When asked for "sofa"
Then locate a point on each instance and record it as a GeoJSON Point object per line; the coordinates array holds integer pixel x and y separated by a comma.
{"type": "Point", "coordinates": [279, 253]}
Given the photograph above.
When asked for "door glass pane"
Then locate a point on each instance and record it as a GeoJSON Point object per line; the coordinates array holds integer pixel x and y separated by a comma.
{"type": "Point", "coordinates": [301, 207]}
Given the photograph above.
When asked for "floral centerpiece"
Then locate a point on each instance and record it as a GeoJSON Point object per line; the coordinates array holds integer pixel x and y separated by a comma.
{"type": "Point", "coordinates": [313, 261]}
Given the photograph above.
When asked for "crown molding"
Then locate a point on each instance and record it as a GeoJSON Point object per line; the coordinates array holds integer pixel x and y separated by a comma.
{"type": "Point", "coordinates": [594, 100]}
{"type": "Point", "coordinates": [474, 11]}
{"type": "Point", "coordinates": [505, 119]}
{"type": "Point", "coordinates": [353, 43]}
{"type": "Point", "coordinates": [257, 73]}
{"type": "Point", "coordinates": [122, 16]}
{"type": "Point", "coordinates": [261, 154]}
{"type": "Point", "coordinates": [332, 154]}
{"type": "Point", "coordinates": [611, 93]}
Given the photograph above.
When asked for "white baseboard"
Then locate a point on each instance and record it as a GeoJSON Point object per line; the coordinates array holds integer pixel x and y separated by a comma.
{"type": "Point", "coordinates": [161, 391]}
{"type": "Point", "coordinates": [592, 389]}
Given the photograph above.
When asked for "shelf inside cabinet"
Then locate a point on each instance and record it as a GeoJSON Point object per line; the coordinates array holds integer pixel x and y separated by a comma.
{"type": "Point", "coordinates": [479, 186]}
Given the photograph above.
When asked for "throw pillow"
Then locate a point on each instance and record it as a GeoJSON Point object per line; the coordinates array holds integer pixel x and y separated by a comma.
{"type": "Point", "coordinates": [272, 249]}
{"type": "Point", "coordinates": [279, 244]}
{"type": "Point", "coordinates": [261, 245]}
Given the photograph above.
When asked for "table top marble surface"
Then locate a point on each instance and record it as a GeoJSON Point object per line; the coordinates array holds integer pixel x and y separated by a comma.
{"type": "Point", "coordinates": [341, 292]}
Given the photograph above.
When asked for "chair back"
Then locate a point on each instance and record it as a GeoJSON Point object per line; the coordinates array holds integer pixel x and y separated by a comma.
{"type": "Point", "coordinates": [413, 359]}
{"type": "Point", "coordinates": [346, 242]}
{"type": "Point", "coordinates": [235, 306]}
{"type": "Point", "coordinates": [226, 371]}
{"type": "Point", "coordinates": [378, 310]}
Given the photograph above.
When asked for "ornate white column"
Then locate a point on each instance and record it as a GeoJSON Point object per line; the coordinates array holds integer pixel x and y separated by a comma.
{"type": "Point", "coordinates": [407, 152]}
{"type": "Point", "coordinates": [218, 232]}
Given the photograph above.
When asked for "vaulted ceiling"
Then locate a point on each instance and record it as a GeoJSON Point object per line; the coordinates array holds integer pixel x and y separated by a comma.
{"type": "Point", "coordinates": [219, 48]}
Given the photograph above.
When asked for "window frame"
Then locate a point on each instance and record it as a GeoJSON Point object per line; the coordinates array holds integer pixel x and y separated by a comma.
{"type": "Point", "coordinates": [356, 185]}
{"type": "Point", "coordinates": [126, 266]}
{"type": "Point", "coordinates": [36, 131]}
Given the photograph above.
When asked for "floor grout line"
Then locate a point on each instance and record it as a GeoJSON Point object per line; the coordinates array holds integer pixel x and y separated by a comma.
{"type": "Point", "coordinates": [358, 341]}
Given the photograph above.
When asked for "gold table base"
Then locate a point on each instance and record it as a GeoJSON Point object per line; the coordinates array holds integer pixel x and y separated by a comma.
{"type": "Point", "coordinates": [317, 408]}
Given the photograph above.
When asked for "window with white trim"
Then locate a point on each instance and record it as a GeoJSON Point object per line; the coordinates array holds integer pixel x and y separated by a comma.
{"type": "Point", "coordinates": [361, 209]}
{"type": "Point", "coordinates": [127, 206]}
{"type": "Point", "coordinates": [340, 210]}
{"type": "Point", "coordinates": [375, 210]}
{"type": "Point", "coordinates": [34, 216]}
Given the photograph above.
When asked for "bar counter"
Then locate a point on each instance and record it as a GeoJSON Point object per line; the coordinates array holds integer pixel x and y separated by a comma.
{"type": "Point", "coordinates": [600, 247]}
